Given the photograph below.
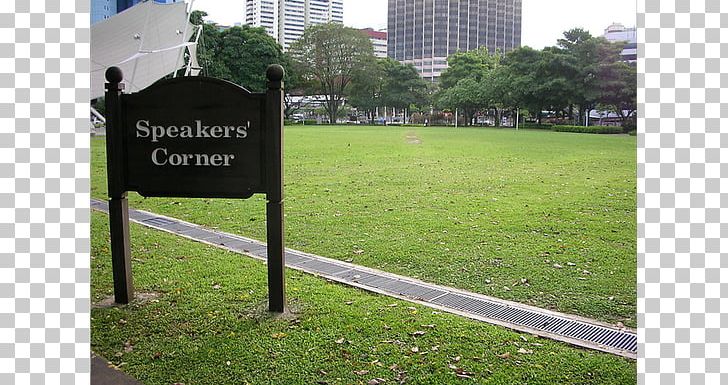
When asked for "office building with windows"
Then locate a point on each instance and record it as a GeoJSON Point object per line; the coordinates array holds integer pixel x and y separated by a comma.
{"type": "Point", "coordinates": [425, 32]}
{"type": "Point", "coordinates": [619, 33]}
{"type": "Point", "coordinates": [285, 20]}
{"type": "Point", "coordinates": [379, 41]}
{"type": "Point", "coordinates": [104, 9]}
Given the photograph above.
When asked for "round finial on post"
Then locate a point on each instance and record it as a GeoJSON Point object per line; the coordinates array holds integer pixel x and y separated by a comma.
{"type": "Point", "coordinates": [114, 75]}
{"type": "Point", "coordinates": [275, 73]}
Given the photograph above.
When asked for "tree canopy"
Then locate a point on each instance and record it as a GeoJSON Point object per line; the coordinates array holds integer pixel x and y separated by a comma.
{"type": "Point", "coordinates": [329, 55]}
{"type": "Point", "coordinates": [238, 54]}
{"type": "Point", "coordinates": [581, 71]}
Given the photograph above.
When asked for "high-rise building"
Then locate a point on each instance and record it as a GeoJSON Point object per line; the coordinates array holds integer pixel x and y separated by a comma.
{"type": "Point", "coordinates": [104, 9]}
{"type": "Point", "coordinates": [285, 20]}
{"type": "Point", "coordinates": [618, 33]}
{"type": "Point", "coordinates": [379, 41]}
{"type": "Point", "coordinates": [425, 32]}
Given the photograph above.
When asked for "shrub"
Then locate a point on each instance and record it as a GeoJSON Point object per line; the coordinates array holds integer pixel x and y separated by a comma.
{"type": "Point", "coordinates": [589, 129]}
{"type": "Point", "coordinates": [629, 125]}
{"type": "Point", "coordinates": [289, 122]}
{"type": "Point", "coordinates": [544, 126]}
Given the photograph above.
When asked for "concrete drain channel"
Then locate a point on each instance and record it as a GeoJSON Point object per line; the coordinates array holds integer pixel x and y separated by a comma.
{"type": "Point", "coordinates": [544, 323]}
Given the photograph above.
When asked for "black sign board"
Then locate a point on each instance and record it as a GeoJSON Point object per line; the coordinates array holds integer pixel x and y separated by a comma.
{"type": "Point", "coordinates": [195, 137]}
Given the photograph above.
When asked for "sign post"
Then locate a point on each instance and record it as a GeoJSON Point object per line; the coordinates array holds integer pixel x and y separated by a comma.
{"type": "Point", "coordinates": [274, 205]}
{"type": "Point", "coordinates": [118, 203]}
{"type": "Point", "coordinates": [195, 137]}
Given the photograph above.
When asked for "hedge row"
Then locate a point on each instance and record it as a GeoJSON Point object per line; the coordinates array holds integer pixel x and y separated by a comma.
{"type": "Point", "coordinates": [544, 126]}
{"type": "Point", "coordinates": [589, 129]}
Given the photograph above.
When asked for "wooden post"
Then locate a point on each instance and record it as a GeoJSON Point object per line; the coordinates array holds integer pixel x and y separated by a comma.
{"type": "Point", "coordinates": [118, 204]}
{"type": "Point", "coordinates": [274, 174]}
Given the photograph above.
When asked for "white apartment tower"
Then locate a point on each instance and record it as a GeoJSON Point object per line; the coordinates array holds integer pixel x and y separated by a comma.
{"type": "Point", "coordinates": [285, 20]}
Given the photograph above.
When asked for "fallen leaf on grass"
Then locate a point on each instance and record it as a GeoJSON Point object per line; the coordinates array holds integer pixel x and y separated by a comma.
{"type": "Point", "coordinates": [556, 265]}
{"type": "Point", "coordinates": [505, 355]}
{"type": "Point", "coordinates": [418, 333]}
{"type": "Point", "coordinates": [376, 381]}
{"type": "Point", "coordinates": [128, 347]}
{"type": "Point", "coordinates": [340, 341]}
{"type": "Point", "coordinates": [525, 351]}
{"type": "Point", "coordinates": [278, 335]}
{"type": "Point", "coordinates": [216, 286]}
{"type": "Point", "coordinates": [571, 263]}
{"type": "Point", "coordinates": [415, 349]}
{"type": "Point", "coordinates": [430, 326]}
{"type": "Point", "coordinates": [361, 372]}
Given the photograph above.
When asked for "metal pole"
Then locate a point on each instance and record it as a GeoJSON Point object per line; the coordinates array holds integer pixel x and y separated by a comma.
{"type": "Point", "coordinates": [517, 115]}
{"type": "Point", "coordinates": [118, 204]}
{"type": "Point", "coordinates": [274, 206]}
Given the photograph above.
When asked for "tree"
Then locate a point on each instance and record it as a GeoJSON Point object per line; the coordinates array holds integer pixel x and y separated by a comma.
{"type": "Point", "coordinates": [587, 55]}
{"type": "Point", "coordinates": [365, 91]}
{"type": "Point", "coordinates": [618, 86]}
{"type": "Point", "coordinates": [238, 54]}
{"type": "Point", "coordinates": [329, 54]}
{"type": "Point", "coordinates": [467, 95]}
{"type": "Point", "coordinates": [297, 87]}
{"type": "Point", "coordinates": [468, 83]}
{"type": "Point", "coordinates": [403, 86]}
{"type": "Point", "coordinates": [473, 64]}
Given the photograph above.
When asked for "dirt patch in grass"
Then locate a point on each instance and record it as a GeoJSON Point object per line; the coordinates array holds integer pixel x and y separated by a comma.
{"type": "Point", "coordinates": [412, 138]}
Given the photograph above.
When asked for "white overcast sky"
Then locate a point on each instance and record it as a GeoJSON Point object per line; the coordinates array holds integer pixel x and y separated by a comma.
{"type": "Point", "coordinates": [544, 21]}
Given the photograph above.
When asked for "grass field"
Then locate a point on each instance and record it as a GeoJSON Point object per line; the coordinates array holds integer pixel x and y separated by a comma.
{"type": "Point", "coordinates": [208, 325]}
{"type": "Point", "coordinates": [538, 217]}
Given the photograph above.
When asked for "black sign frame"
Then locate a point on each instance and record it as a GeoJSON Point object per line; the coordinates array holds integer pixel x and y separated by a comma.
{"type": "Point", "coordinates": [238, 139]}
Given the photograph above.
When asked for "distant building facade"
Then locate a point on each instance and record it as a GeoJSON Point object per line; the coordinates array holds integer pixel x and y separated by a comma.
{"type": "Point", "coordinates": [104, 9]}
{"type": "Point", "coordinates": [618, 33]}
{"type": "Point", "coordinates": [425, 32]}
{"type": "Point", "coordinates": [379, 41]}
{"type": "Point", "coordinates": [285, 20]}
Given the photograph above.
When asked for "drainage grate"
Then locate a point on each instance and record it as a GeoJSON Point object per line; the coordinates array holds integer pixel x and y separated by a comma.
{"type": "Point", "coordinates": [544, 323]}
{"type": "Point", "coordinates": [159, 221]}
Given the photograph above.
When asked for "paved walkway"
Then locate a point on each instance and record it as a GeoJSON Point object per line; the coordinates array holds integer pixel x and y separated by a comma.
{"type": "Point", "coordinates": [568, 328]}
{"type": "Point", "coordinates": [103, 374]}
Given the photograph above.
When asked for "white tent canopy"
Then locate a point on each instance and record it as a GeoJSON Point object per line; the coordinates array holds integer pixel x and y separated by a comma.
{"type": "Point", "coordinates": [146, 41]}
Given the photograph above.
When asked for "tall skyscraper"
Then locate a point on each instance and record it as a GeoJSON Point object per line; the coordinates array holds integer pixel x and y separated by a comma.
{"type": "Point", "coordinates": [285, 20]}
{"type": "Point", "coordinates": [426, 32]}
{"type": "Point", "coordinates": [104, 9]}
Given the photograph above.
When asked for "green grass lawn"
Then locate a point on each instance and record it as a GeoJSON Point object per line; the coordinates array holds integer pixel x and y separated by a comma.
{"type": "Point", "coordinates": [208, 325]}
{"type": "Point", "coordinates": [539, 217]}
